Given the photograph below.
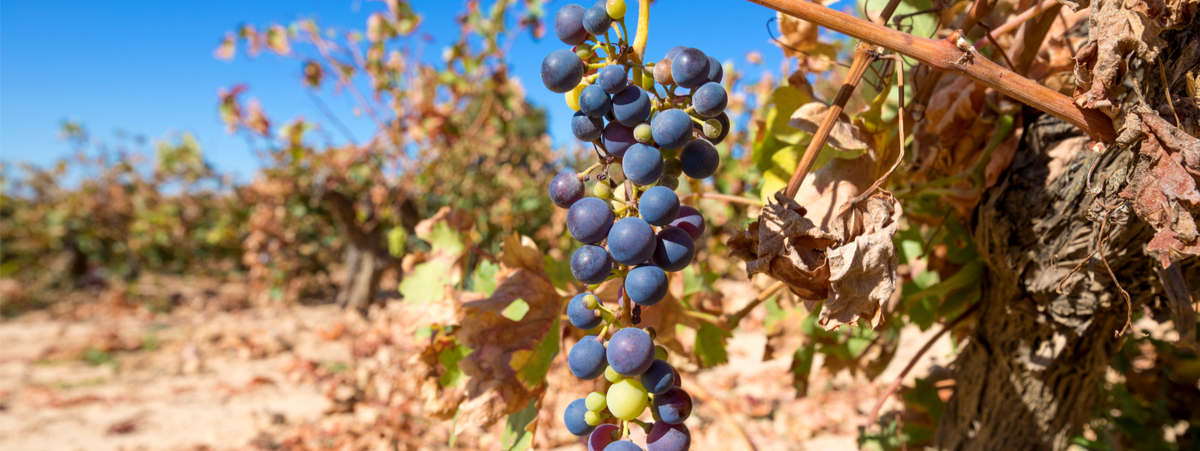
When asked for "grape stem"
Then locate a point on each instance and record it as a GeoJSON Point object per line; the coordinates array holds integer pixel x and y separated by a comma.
{"type": "Point", "coordinates": [639, 42]}
{"type": "Point", "coordinates": [645, 426]}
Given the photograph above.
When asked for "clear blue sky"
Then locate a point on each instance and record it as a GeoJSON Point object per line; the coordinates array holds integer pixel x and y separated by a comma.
{"type": "Point", "coordinates": [147, 67]}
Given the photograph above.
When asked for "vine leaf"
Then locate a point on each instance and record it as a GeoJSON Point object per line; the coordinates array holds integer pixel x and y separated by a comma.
{"type": "Point", "coordinates": [844, 136]}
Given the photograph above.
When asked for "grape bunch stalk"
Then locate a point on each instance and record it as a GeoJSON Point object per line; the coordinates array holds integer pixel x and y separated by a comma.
{"type": "Point", "coordinates": [633, 228]}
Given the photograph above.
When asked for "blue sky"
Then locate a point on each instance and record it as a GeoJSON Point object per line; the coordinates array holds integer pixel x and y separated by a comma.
{"type": "Point", "coordinates": [147, 67]}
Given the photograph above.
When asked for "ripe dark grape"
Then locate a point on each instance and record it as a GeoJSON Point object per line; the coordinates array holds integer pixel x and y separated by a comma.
{"type": "Point", "coordinates": [566, 189]}
{"type": "Point", "coordinates": [659, 205]}
{"type": "Point", "coordinates": [587, 358]}
{"type": "Point", "coordinates": [671, 54]}
{"type": "Point", "coordinates": [671, 129]}
{"type": "Point", "coordinates": [690, 221]}
{"type": "Point", "coordinates": [630, 352]}
{"type": "Point", "coordinates": [716, 71]}
{"type": "Point", "coordinates": [672, 407]}
{"type": "Point", "coordinates": [668, 437]}
{"type": "Point", "coordinates": [710, 99]}
{"type": "Point", "coordinates": [596, 20]}
{"type": "Point", "coordinates": [612, 78]}
{"type": "Point", "coordinates": [568, 24]}
{"type": "Point", "coordinates": [562, 70]}
{"type": "Point", "coordinates": [581, 316]}
{"type": "Point", "coordinates": [659, 378]}
{"type": "Point", "coordinates": [594, 102]}
{"type": "Point", "coordinates": [646, 285]}
{"type": "Point", "coordinates": [591, 264]}
{"type": "Point", "coordinates": [586, 129]}
{"type": "Point", "coordinates": [573, 418]}
{"type": "Point", "coordinates": [631, 241]}
{"type": "Point", "coordinates": [589, 220]}
{"type": "Point", "coordinates": [623, 445]}
{"type": "Point", "coordinates": [602, 436]}
{"type": "Point", "coordinates": [699, 159]}
{"type": "Point", "coordinates": [674, 249]}
{"type": "Point", "coordinates": [631, 105]}
{"type": "Point", "coordinates": [643, 164]}
{"type": "Point", "coordinates": [689, 68]}
{"type": "Point", "coordinates": [618, 138]}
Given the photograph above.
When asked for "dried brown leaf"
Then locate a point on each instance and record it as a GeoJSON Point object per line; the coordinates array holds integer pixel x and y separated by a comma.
{"type": "Point", "coordinates": [796, 35]}
{"type": "Point", "coordinates": [844, 135]}
{"type": "Point", "coordinates": [863, 271]}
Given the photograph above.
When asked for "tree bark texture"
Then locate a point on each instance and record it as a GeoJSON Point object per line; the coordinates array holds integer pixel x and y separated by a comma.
{"type": "Point", "coordinates": [1028, 378]}
{"type": "Point", "coordinates": [366, 257]}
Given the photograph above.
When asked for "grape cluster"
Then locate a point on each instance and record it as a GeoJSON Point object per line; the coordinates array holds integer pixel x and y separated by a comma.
{"type": "Point", "coordinates": [633, 227]}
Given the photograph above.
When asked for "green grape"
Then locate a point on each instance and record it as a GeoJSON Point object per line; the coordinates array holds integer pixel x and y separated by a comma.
{"type": "Point", "coordinates": [712, 128]}
{"type": "Point", "coordinates": [573, 96]}
{"type": "Point", "coordinates": [592, 418]}
{"type": "Point", "coordinates": [591, 302]}
{"type": "Point", "coordinates": [595, 401]}
{"type": "Point", "coordinates": [643, 134]}
{"type": "Point", "coordinates": [584, 53]}
{"type": "Point", "coordinates": [648, 80]}
{"type": "Point", "coordinates": [627, 399]}
{"type": "Point", "coordinates": [602, 190]}
{"type": "Point", "coordinates": [612, 375]}
{"type": "Point", "coordinates": [669, 153]}
{"type": "Point", "coordinates": [660, 353]}
{"type": "Point", "coordinates": [669, 181]}
{"type": "Point", "coordinates": [616, 9]}
{"type": "Point", "coordinates": [672, 166]}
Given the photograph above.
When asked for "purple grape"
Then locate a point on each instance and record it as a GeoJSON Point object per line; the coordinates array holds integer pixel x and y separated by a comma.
{"type": "Point", "coordinates": [562, 70]}
{"type": "Point", "coordinates": [631, 241]}
{"type": "Point", "coordinates": [573, 418]}
{"type": "Point", "coordinates": [586, 129]}
{"type": "Point", "coordinates": [589, 220]}
{"type": "Point", "coordinates": [716, 71]}
{"type": "Point", "coordinates": [674, 249]}
{"type": "Point", "coordinates": [566, 189]}
{"type": "Point", "coordinates": [671, 129]}
{"type": "Point", "coordinates": [671, 54]}
{"type": "Point", "coordinates": [602, 436]}
{"type": "Point", "coordinates": [690, 221]}
{"type": "Point", "coordinates": [699, 159]}
{"type": "Point", "coordinates": [724, 120]}
{"type": "Point", "coordinates": [668, 437]}
{"type": "Point", "coordinates": [580, 316]}
{"type": "Point", "coordinates": [646, 285]}
{"type": "Point", "coordinates": [630, 106]}
{"type": "Point", "coordinates": [659, 205]}
{"type": "Point", "coordinates": [689, 68]}
{"type": "Point", "coordinates": [612, 78]}
{"type": "Point", "coordinates": [591, 264]}
{"type": "Point", "coordinates": [672, 407]}
{"type": "Point", "coordinates": [630, 352]}
{"type": "Point", "coordinates": [568, 24]}
{"type": "Point", "coordinates": [594, 102]}
{"type": "Point", "coordinates": [596, 20]}
{"type": "Point", "coordinates": [643, 165]}
{"type": "Point", "coordinates": [659, 378]}
{"type": "Point", "coordinates": [587, 358]}
{"type": "Point", "coordinates": [622, 445]}
{"type": "Point", "coordinates": [618, 138]}
{"type": "Point", "coordinates": [710, 100]}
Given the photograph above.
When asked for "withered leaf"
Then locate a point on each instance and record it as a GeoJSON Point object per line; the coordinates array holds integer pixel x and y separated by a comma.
{"type": "Point", "coordinates": [844, 136]}
{"type": "Point", "coordinates": [863, 271]}
{"type": "Point", "coordinates": [796, 35]}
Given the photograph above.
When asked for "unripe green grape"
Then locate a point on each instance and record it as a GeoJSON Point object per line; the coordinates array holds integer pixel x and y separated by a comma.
{"type": "Point", "coordinates": [584, 53]}
{"type": "Point", "coordinates": [590, 302]}
{"type": "Point", "coordinates": [669, 181]}
{"type": "Point", "coordinates": [648, 80]}
{"type": "Point", "coordinates": [627, 399]}
{"type": "Point", "coordinates": [573, 96]}
{"type": "Point", "coordinates": [602, 190]}
{"type": "Point", "coordinates": [660, 353]}
{"type": "Point", "coordinates": [712, 128]}
{"type": "Point", "coordinates": [595, 401]}
{"type": "Point", "coordinates": [651, 332]}
{"type": "Point", "coordinates": [615, 9]}
{"type": "Point", "coordinates": [612, 375]}
{"type": "Point", "coordinates": [669, 153]}
{"type": "Point", "coordinates": [642, 133]}
{"type": "Point", "coordinates": [672, 166]}
{"type": "Point", "coordinates": [592, 418]}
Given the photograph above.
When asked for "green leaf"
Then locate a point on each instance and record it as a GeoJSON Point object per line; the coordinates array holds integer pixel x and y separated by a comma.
{"type": "Point", "coordinates": [698, 278]}
{"type": "Point", "coordinates": [519, 429]}
{"type": "Point", "coordinates": [443, 238]}
{"type": "Point", "coordinates": [710, 345]}
{"type": "Point", "coordinates": [427, 283]}
{"type": "Point", "coordinates": [483, 280]}
{"type": "Point", "coordinates": [449, 359]}
{"type": "Point", "coordinates": [516, 310]}
{"type": "Point", "coordinates": [785, 101]}
{"type": "Point", "coordinates": [532, 372]}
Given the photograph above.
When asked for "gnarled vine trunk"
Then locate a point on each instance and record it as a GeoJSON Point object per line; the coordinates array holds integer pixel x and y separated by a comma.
{"type": "Point", "coordinates": [366, 258]}
{"type": "Point", "coordinates": [1028, 379]}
